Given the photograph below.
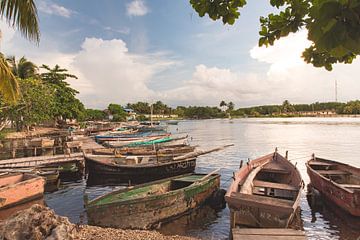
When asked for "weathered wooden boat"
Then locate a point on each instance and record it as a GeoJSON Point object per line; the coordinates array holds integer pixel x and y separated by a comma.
{"type": "Point", "coordinates": [147, 205]}
{"type": "Point", "coordinates": [137, 171]}
{"type": "Point", "coordinates": [144, 151]}
{"type": "Point", "coordinates": [17, 188]}
{"type": "Point", "coordinates": [265, 193]}
{"type": "Point", "coordinates": [166, 141]}
{"type": "Point", "coordinates": [337, 182]}
{"type": "Point", "coordinates": [130, 138]}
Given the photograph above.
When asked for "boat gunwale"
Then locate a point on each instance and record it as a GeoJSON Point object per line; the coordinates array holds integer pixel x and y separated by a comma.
{"type": "Point", "coordinates": [92, 205]}
{"type": "Point", "coordinates": [33, 178]}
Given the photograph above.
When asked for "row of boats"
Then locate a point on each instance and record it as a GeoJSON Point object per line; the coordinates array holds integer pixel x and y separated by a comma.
{"type": "Point", "coordinates": [265, 192]}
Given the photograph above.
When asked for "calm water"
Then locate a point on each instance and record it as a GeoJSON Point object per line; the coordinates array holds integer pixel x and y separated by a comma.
{"type": "Point", "coordinates": [332, 138]}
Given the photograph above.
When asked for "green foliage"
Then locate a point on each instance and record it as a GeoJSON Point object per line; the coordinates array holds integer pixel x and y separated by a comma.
{"type": "Point", "coordinates": [94, 115]}
{"type": "Point", "coordinates": [67, 106]}
{"type": "Point", "coordinates": [203, 112]}
{"type": "Point", "coordinates": [333, 25]}
{"type": "Point", "coordinates": [139, 107]}
{"type": "Point", "coordinates": [117, 112]}
{"type": "Point", "coordinates": [34, 106]}
{"type": "Point", "coordinates": [142, 118]}
{"type": "Point", "coordinates": [23, 68]}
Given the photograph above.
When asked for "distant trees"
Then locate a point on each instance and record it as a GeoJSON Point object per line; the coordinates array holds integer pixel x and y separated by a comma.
{"type": "Point", "coordinates": [117, 112]}
{"type": "Point", "coordinates": [94, 115]}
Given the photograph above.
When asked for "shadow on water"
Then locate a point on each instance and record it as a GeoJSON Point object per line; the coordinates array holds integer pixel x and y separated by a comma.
{"type": "Point", "coordinates": [343, 224]}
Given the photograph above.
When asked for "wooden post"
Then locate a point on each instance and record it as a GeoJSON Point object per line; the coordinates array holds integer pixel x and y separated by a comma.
{"type": "Point", "coordinates": [241, 163]}
{"type": "Point", "coordinates": [287, 154]}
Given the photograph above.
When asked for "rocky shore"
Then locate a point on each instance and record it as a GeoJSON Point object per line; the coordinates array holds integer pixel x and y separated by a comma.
{"type": "Point", "coordinates": [39, 222]}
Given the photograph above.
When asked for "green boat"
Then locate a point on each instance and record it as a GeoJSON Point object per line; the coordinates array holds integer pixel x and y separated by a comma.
{"type": "Point", "coordinates": [147, 205]}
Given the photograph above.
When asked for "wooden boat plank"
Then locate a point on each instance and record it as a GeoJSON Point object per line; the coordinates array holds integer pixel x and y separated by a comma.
{"type": "Point", "coordinates": [273, 233]}
{"type": "Point", "coordinates": [350, 185]}
{"type": "Point", "coordinates": [319, 163]}
{"type": "Point", "coordinates": [333, 172]}
{"type": "Point", "coordinates": [265, 184]}
{"type": "Point", "coordinates": [263, 202]}
{"type": "Point", "coordinates": [275, 168]}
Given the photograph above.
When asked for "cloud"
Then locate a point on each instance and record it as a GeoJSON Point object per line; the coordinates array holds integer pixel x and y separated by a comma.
{"type": "Point", "coordinates": [54, 9]}
{"type": "Point", "coordinates": [137, 8]}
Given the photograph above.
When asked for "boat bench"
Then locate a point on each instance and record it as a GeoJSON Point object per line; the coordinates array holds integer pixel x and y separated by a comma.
{"type": "Point", "coordinates": [319, 163]}
{"type": "Point", "coordinates": [274, 168]}
{"type": "Point", "coordinates": [333, 172]}
{"type": "Point", "coordinates": [263, 202]}
{"type": "Point", "coordinates": [282, 186]}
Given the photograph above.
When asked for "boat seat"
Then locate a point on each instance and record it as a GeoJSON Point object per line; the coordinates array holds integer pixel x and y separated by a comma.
{"type": "Point", "coordinates": [357, 186]}
{"type": "Point", "coordinates": [333, 172]}
{"type": "Point", "coordinates": [319, 163]}
{"type": "Point", "coordinates": [275, 168]}
{"type": "Point", "coordinates": [282, 186]}
{"type": "Point", "coordinates": [270, 203]}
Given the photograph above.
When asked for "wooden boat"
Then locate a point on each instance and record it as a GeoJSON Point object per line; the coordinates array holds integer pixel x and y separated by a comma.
{"type": "Point", "coordinates": [147, 205]}
{"type": "Point", "coordinates": [167, 141]}
{"type": "Point", "coordinates": [17, 188]}
{"type": "Point", "coordinates": [144, 151]}
{"type": "Point", "coordinates": [338, 182]}
{"type": "Point", "coordinates": [130, 138]}
{"type": "Point", "coordinates": [139, 170]}
{"type": "Point", "coordinates": [265, 193]}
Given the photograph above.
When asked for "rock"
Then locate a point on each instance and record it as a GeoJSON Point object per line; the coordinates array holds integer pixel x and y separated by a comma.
{"type": "Point", "coordinates": [37, 222]}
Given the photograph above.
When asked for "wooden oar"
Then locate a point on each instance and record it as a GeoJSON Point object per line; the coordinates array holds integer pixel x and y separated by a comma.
{"type": "Point", "coordinates": [201, 152]}
{"type": "Point", "coordinates": [209, 174]}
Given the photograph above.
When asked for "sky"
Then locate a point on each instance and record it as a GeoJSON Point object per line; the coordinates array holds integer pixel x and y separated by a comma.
{"type": "Point", "coordinates": [147, 50]}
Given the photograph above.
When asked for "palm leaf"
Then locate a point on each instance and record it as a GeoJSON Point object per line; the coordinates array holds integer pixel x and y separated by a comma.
{"type": "Point", "coordinates": [23, 15]}
{"type": "Point", "coordinates": [9, 86]}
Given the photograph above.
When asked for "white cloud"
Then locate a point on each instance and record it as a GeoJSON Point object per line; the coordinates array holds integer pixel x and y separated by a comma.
{"type": "Point", "coordinates": [137, 8]}
{"type": "Point", "coordinates": [54, 9]}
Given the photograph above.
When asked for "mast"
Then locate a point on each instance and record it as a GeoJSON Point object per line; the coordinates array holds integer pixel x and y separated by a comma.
{"type": "Point", "coordinates": [336, 97]}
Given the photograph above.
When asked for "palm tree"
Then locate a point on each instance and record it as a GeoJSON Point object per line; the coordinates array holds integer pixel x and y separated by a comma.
{"type": "Point", "coordinates": [22, 68]}
{"type": "Point", "coordinates": [22, 15]}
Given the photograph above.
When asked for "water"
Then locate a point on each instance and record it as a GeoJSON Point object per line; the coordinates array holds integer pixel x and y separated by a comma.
{"type": "Point", "coordinates": [331, 138]}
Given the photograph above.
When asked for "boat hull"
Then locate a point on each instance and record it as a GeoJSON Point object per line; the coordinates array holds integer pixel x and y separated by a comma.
{"type": "Point", "coordinates": [149, 212]}
{"type": "Point", "coordinates": [347, 200]}
{"type": "Point", "coordinates": [250, 211]}
{"type": "Point", "coordinates": [139, 172]}
{"type": "Point", "coordinates": [22, 191]}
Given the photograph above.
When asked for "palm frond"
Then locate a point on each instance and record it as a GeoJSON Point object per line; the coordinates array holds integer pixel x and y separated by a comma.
{"type": "Point", "coordinates": [23, 15]}
{"type": "Point", "coordinates": [9, 86]}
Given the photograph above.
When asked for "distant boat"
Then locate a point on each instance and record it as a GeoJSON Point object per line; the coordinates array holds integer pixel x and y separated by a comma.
{"type": "Point", "coordinates": [338, 182]}
{"type": "Point", "coordinates": [128, 151]}
{"type": "Point", "coordinates": [172, 122]}
{"type": "Point", "coordinates": [145, 206]}
{"type": "Point", "coordinates": [265, 193]}
{"type": "Point", "coordinates": [17, 188]}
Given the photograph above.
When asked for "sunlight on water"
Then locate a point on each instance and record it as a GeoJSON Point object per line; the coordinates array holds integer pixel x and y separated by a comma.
{"type": "Point", "coordinates": [332, 138]}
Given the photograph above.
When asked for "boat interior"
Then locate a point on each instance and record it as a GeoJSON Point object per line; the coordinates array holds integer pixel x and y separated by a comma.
{"type": "Point", "coordinates": [277, 181]}
{"type": "Point", "coordinates": [150, 190]}
{"type": "Point", "coordinates": [337, 173]}
{"type": "Point", "coordinates": [12, 178]}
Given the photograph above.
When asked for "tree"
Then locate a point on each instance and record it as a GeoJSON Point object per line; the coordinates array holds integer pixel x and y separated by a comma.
{"type": "Point", "coordinates": [117, 111]}
{"type": "Point", "coordinates": [67, 106]}
{"type": "Point", "coordinates": [230, 106]}
{"type": "Point", "coordinates": [222, 104]}
{"type": "Point", "coordinates": [23, 68]}
{"type": "Point", "coordinates": [333, 25]}
{"type": "Point", "coordinates": [287, 107]}
{"type": "Point", "coordinates": [21, 14]}
{"type": "Point", "coordinates": [35, 105]}
{"type": "Point", "coordinates": [94, 115]}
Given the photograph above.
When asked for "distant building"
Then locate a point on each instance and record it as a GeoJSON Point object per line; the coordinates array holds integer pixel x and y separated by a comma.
{"type": "Point", "coordinates": [131, 114]}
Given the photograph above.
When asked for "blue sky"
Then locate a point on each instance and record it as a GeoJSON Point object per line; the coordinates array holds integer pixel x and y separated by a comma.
{"type": "Point", "coordinates": [130, 50]}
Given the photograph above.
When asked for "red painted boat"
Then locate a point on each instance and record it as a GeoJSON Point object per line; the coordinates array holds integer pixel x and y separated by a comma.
{"type": "Point", "coordinates": [17, 188]}
{"type": "Point", "coordinates": [265, 193]}
{"type": "Point", "coordinates": [338, 182]}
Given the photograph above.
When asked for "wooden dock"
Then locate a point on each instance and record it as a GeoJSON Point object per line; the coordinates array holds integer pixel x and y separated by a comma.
{"type": "Point", "coordinates": [267, 234]}
{"type": "Point", "coordinates": [41, 160]}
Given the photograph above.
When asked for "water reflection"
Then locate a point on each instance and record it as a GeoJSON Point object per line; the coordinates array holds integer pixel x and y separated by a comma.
{"type": "Point", "coordinates": [334, 138]}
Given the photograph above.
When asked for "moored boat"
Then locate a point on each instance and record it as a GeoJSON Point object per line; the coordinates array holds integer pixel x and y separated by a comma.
{"type": "Point", "coordinates": [137, 170]}
{"type": "Point", "coordinates": [17, 188]}
{"type": "Point", "coordinates": [337, 182]}
{"type": "Point", "coordinates": [265, 193]}
{"type": "Point", "coordinates": [144, 150]}
{"type": "Point", "coordinates": [143, 206]}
